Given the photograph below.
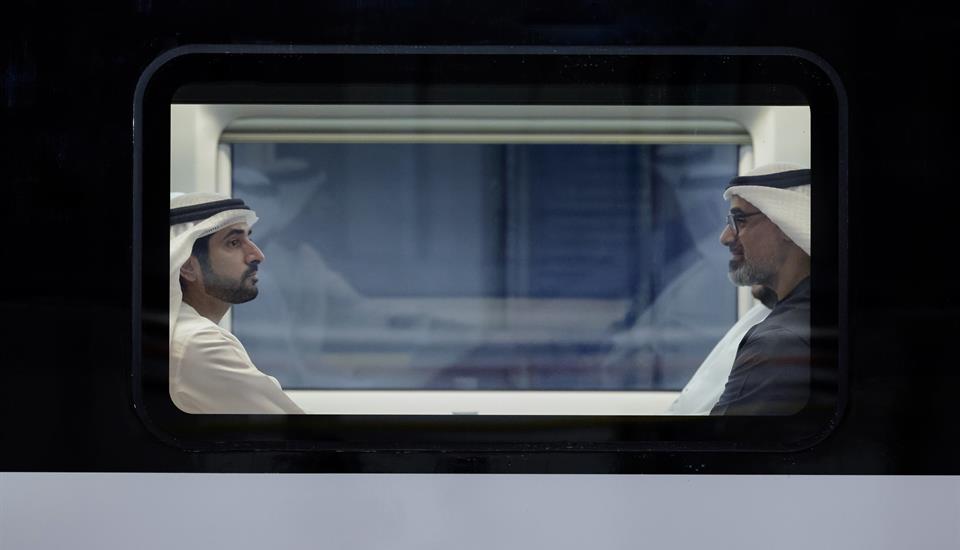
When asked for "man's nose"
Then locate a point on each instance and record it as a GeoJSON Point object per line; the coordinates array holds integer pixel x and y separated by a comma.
{"type": "Point", "coordinates": [726, 236]}
{"type": "Point", "coordinates": [254, 254]}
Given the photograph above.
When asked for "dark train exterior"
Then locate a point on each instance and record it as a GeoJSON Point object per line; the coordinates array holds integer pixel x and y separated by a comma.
{"type": "Point", "coordinates": [69, 96]}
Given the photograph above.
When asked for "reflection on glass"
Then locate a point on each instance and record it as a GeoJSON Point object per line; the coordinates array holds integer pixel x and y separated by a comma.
{"type": "Point", "coordinates": [486, 266]}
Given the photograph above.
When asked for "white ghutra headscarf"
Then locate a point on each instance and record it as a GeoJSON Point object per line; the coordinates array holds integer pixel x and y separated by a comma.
{"type": "Point", "coordinates": [193, 216]}
{"type": "Point", "coordinates": [782, 192]}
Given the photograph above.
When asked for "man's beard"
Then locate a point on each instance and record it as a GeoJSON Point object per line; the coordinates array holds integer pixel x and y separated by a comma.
{"type": "Point", "coordinates": [744, 273]}
{"type": "Point", "coordinates": [229, 290]}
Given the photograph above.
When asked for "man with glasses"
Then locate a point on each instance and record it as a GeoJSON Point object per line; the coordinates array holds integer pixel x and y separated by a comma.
{"type": "Point", "coordinates": [768, 234]}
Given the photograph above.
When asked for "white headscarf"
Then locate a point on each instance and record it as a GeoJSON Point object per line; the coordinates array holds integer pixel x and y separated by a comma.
{"type": "Point", "coordinates": [183, 235]}
{"type": "Point", "coordinates": [782, 192]}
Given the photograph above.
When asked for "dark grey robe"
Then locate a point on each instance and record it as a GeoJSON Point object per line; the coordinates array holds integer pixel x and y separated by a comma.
{"type": "Point", "coordinates": [771, 374]}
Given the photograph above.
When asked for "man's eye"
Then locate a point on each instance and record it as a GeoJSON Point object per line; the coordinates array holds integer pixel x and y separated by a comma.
{"type": "Point", "coordinates": [235, 242]}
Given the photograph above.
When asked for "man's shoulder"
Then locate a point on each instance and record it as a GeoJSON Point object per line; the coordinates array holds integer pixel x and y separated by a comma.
{"type": "Point", "coordinates": [189, 326]}
{"type": "Point", "coordinates": [195, 333]}
{"type": "Point", "coordinates": [777, 332]}
{"type": "Point", "coordinates": [789, 323]}
{"type": "Point", "coordinates": [783, 337]}
{"type": "Point", "coordinates": [773, 351]}
{"type": "Point", "coordinates": [770, 374]}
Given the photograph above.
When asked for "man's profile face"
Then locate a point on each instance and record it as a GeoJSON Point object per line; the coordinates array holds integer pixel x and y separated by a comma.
{"type": "Point", "coordinates": [758, 250]}
{"type": "Point", "coordinates": [230, 272]}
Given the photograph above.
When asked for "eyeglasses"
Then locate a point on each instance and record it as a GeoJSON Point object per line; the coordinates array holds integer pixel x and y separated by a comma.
{"type": "Point", "coordinates": [734, 221]}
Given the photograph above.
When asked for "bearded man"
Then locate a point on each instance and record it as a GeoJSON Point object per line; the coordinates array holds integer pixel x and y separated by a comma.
{"type": "Point", "coordinates": [768, 234]}
{"type": "Point", "coordinates": [213, 265]}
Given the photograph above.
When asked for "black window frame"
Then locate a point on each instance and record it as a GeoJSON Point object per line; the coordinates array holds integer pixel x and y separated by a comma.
{"type": "Point", "coordinates": [476, 75]}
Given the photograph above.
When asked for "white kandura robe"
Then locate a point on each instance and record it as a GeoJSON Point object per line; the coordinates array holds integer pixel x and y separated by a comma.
{"type": "Point", "coordinates": [211, 373]}
{"type": "Point", "coordinates": [706, 386]}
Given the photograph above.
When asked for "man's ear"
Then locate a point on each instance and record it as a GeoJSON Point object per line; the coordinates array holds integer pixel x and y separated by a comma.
{"type": "Point", "coordinates": [190, 271]}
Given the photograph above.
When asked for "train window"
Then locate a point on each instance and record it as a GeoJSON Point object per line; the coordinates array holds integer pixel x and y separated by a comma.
{"type": "Point", "coordinates": [463, 248]}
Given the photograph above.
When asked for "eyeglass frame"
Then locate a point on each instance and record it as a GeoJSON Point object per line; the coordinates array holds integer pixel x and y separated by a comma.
{"type": "Point", "coordinates": [732, 220]}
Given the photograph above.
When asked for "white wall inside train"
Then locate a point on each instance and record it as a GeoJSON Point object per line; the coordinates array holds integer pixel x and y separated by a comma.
{"type": "Point", "coordinates": [776, 133]}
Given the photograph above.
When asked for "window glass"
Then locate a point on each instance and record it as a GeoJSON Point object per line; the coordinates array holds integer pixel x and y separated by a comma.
{"type": "Point", "coordinates": [485, 266]}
